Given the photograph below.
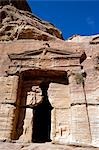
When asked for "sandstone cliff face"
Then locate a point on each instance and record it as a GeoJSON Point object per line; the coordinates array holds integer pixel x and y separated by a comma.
{"type": "Point", "coordinates": [18, 24]}
{"type": "Point", "coordinates": [20, 4]}
{"type": "Point", "coordinates": [32, 52]}
{"type": "Point", "coordinates": [93, 39]}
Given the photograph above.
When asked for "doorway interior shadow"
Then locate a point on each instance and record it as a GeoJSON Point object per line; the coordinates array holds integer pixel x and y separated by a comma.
{"type": "Point", "coordinates": [42, 118]}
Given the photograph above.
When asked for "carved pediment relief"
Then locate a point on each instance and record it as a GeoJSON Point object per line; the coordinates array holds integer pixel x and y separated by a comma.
{"type": "Point", "coordinates": [44, 58]}
{"type": "Point", "coordinates": [43, 53]}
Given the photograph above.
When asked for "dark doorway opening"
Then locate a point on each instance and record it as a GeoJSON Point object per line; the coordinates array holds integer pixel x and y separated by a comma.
{"type": "Point", "coordinates": [42, 119]}
{"type": "Point", "coordinates": [41, 123]}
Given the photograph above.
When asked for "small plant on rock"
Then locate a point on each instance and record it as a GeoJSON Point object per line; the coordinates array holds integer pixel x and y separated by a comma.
{"type": "Point", "coordinates": [79, 78]}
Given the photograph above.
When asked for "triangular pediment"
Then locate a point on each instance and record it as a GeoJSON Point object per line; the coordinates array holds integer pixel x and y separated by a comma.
{"type": "Point", "coordinates": [43, 53]}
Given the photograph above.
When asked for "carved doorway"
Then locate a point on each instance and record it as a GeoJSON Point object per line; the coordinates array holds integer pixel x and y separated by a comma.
{"type": "Point", "coordinates": [33, 118]}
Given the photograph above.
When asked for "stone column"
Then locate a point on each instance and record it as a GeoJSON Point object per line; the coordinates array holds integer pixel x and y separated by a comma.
{"type": "Point", "coordinates": [27, 127]}
{"type": "Point", "coordinates": [92, 96]}
{"type": "Point", "coordinates": [8, 94]}
{"type": "Point", "coordinates": [60, 116]}
{"type": "Point", "coordinates": [94, 123]}
{"type": "Point", "coordinates": [80, 125]}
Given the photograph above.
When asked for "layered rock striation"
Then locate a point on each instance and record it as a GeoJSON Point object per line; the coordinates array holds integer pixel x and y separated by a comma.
{"type": "Point", "coordinates": [19, 24]}
{"type": "Point", "coordinates": [20, 4]}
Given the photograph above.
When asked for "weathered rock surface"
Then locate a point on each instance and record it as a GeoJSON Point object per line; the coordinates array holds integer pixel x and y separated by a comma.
{"type": "Point", "coordinates": [94, 39]}
{"type": "Point", "coordinates": [81, 120]}
{"type": "Point", "coordinates": [44, 146]}
{"type": "Point", "coordinates": [20, 4]}
{"type": "Point", "coordinates": [18, 24]}
{"type": "Point", "coordinates": [65, 103]}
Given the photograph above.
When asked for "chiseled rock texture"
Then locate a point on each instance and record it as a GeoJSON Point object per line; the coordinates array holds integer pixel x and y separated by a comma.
{"type": "Point", "coordinates": [20, 4]}
{"type": "Point", "coordinates": [19, 24]}
{"type": "Point", "coordinates": [49, 87]}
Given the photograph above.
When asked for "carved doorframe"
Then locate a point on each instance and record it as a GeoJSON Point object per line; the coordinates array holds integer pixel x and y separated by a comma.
{"type": "Point", "coordinates": [49, 78]}
{"type": "Point", "coordinates": [58, 62]}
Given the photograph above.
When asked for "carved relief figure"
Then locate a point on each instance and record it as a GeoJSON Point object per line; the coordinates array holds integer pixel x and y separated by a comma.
{"type": "Point", "coordinates": [34, 96]}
